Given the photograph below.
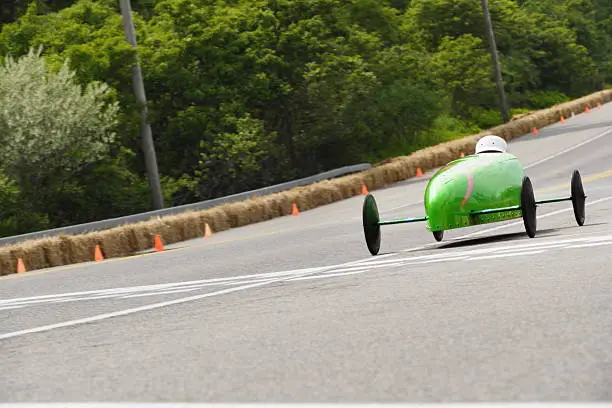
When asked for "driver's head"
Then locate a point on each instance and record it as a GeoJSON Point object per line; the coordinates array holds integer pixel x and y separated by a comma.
{"type": "Point", "coordinates": [491, 143]}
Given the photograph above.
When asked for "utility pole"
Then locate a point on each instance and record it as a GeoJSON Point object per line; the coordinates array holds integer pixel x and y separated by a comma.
{"type": "Point", "coordinates": [146, 136]}
{"type": "Point", "coordinates": [496, 68]}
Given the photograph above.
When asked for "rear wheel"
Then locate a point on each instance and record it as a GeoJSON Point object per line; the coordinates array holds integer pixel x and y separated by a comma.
{"type": "Point", "coordinates": [371, 229]}
{"type": "Point", "coordinates": [438, 235]}
{"type": "Point", "coordinates": [578, 198]}
{"type": "Point", "coordinates": [528, 207]}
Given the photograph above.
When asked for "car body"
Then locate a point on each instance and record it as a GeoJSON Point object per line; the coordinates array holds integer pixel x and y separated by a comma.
{"type": "Point", "coordinates": [470, 185]}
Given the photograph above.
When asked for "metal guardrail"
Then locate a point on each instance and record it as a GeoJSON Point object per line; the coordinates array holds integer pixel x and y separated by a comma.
{"type": "Point", "coordinates": [201, 205]}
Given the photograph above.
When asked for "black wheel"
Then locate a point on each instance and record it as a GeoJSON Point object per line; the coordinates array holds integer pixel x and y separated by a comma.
{"type": "Point", "coordinates": [528, 207]}
{"type": "Point", "coordinates": [438, 235]}
{"type": "Point", "coordinates": [371, 229]}
{"type": "Point", "coordinates": [578, 198]}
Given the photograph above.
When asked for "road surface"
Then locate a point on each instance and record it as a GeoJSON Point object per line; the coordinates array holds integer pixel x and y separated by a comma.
{"type": "Point", "coordinates": [296, 310]}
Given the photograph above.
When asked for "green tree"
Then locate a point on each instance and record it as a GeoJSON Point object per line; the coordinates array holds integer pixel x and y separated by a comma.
{"type": "Point", "coordinates": [48, 122]}
{"type": "Point", "coordinates": [51, 129]}
{"type": "Point", "coordinates": [88, 35]}
{"type": "Point", "coordinates": [463, 66]}
{"type": "Point", "coordinates": [237, 161]}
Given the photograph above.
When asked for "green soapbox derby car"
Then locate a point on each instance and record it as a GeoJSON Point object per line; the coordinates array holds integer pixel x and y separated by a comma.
{"type": "Point", "coordinates": [482, 188]}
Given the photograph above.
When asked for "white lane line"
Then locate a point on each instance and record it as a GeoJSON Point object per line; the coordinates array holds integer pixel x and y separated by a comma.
{"type": "Point", "coordinates": [245, 282]}
{"type": "Point", "coordinates": [593, 244]}
{"type": "Point", "coordinates": [504, 255]}
{"type": "Point", "coordinates": [10, 307]}
{"type": "Point", "coordinates": [378, 258]}
{"type": "Point", "coordinates": [25, 303]}
{"type": "Point", "coordinates": [600, 238]}
{"type": "Point", "coordinates": [601, 200]}
{"type": "Point", "coordinates": [160, 293]}
{"type": "Point", "coordinates": [72, 299]}
{"type": "Point", "coordinates": [451, 258]}
{"type": "Point", "coordinates": [388, 261]}
{"type": "Point", "coordinates": [488, 248]}
{"type": "Point", "coordinates": [364, 267]}
{"type": "Point", "coordinates": [325, 276]}
{"type": "Point", "coordinates": [569, 149]}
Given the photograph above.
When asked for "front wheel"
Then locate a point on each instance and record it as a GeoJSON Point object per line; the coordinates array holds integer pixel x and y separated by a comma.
{"type": "Point", "coordinates": [371, 228]}
{"type": "Point", "coordinates": [528, 207]}
{"type": "Point", "coordinates": [578, 198]}
{"type": "Point", "coordinates": [438, 235]}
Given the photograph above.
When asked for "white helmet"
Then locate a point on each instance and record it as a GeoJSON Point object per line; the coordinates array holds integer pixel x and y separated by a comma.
{"type": "Point", "coordinates": [491, 143]}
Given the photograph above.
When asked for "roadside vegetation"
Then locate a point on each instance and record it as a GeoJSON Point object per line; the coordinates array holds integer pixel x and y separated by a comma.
{"type": "Point", "coordinates": [247, 93]}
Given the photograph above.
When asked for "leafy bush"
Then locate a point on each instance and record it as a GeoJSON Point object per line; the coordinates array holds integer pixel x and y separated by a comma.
{"type": "Point", "coordinates": [545, 99]}
{"type": "Point", "coordinates": [48, 123]}
{"type": "Point", "coordinates": [52, 131]}
{"type": "Point", "coordinates": [485, 118]}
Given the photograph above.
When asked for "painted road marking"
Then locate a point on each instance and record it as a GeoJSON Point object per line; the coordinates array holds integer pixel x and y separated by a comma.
{"type": "Point", "coordinates": [10, 307]}
{"type": "Point", "coordinates": [161, 293]}
{"type": "Point", "coordinates": [593, 244]}
{"type": "Point", "coordinates": [455, 258]}
{"type": "Point", "coordinates": [569, 149]}
{"type": "Point", "coordinates": [505, 255]}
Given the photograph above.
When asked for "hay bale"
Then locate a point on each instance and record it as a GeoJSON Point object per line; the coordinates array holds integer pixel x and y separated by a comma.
{"type": "Point", "coordinates": [81, 247]}
{"type": "Point", "coordinates": [191, 226]}
{"type": "Point", "coordinates": [139, 237]}
{"type": "Point", "coordinates": [273, 205]}
{"type": "Point", "coordinates": [115, 243]}
{"type": "Point", "coordinates": [324, 193]}
{"type": "Point", "coordinates": [34, 253]}
{"type": "Point", "coordinates": [8, 264]}
{"type": "Point", "coordinates": [53, 255]}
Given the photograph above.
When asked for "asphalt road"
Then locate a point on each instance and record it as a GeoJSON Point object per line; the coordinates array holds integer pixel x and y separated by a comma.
{"type": "Point", "coordinates": [296, 310]}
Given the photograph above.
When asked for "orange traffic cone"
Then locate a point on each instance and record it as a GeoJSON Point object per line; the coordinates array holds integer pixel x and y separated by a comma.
{"type": "Point", "coordinates": [294, 210]}
{"type": "Point", "coordinates": [20, 266]}
{"type": "Point", "coordinates": [562, 120]}
{"type": "Point", "coordinates": [364, 189]}
{"type": "Point", "coordinates": [98, 254]}
{"type": "Point", "coordinates": [159, 245]}
{"type": "Point", "coordinates": [535, 131]}
{"type": "Point", "coordinates": [207, 231]}
{"type": "Point", "coordinates": [419, 172]}
{"type": "Point", "coordinates": [587, 109]}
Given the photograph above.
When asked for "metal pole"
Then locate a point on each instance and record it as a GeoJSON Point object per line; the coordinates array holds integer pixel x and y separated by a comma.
{"type": "Point", "coordinates": [148, 146]}
{"type": "Point", "coordinates": [496, 68]}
